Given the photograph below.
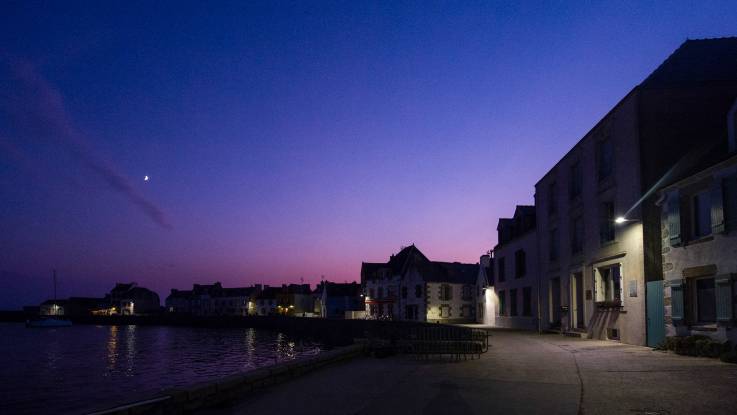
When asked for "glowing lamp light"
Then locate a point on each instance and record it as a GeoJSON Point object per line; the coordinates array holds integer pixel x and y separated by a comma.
{"type": "Point", "coordinates": [620, 220]}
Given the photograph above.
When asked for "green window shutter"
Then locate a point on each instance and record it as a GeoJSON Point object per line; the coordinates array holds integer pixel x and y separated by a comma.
{"type": "Point", "coordinates": [674, 218]}
{"type": "Point", "coordinates": [730, 201]}
{"type": "Point", "coordinates": [676, 298]}
{"type": "Point", "coordinates": [717, 209]}
{"type": "Point", "coordinates": [723, 285]}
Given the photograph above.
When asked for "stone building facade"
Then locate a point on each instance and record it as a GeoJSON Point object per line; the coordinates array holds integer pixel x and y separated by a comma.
{"type": "Point", "coordinates": [699, 231]}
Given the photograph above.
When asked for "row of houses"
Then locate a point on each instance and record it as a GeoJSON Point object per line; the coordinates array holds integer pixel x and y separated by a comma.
{"type": "Point", "coordinates": [633, 233]}
{"type": "Point", "coordinates": [328, 299]}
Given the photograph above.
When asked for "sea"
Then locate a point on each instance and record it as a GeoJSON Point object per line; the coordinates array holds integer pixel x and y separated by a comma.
{"type": "Point", "coordinates": [83, 368]}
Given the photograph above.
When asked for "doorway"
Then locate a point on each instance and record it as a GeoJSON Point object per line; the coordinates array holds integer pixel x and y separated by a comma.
{"type": "Point", "coordinates": [554, 294]}
{"type": "Point", "coordinates": [577, 304]}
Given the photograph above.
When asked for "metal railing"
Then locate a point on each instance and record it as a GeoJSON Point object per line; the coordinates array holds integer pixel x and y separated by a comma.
{"type": "Point", "coordinates": [433, 340]}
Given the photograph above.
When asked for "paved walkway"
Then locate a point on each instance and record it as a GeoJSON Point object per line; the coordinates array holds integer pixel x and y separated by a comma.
{"type": "Point", "coordinates": [523, 373]}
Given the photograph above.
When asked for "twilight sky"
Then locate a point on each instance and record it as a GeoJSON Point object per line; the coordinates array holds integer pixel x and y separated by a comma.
{"type": "Point", "coordinates": [287, 141]}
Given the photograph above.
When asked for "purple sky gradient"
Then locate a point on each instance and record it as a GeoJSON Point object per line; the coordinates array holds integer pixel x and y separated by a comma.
{"type": "Point", "coordinates": [292, 141]}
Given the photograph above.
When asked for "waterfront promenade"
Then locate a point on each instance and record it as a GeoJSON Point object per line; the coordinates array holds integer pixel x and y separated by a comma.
{"type": "Point", "coordinates": [523, 373]}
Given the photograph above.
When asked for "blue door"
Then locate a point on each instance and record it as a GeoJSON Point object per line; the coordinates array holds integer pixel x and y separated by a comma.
{"type": "Point", "coordinates": [655, 313]}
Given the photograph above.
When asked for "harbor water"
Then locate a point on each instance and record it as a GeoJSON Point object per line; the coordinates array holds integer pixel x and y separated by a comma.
{"type": "Point", "coordinates": [78, 369]}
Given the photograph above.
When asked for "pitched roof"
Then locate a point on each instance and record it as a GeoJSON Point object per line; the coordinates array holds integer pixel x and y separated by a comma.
{"type": "Point", "coordinates": [697, 61]}
{"type": "Point", "coordinates": [449, 272]}
{"type": "Point", "coordinates": [122, 287]}
{"type": "Point", "coordinates": [343, 290]}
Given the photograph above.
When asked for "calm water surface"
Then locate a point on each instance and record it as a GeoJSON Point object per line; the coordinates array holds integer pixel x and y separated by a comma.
{"type": "Point", "coordinates": [81, 368]}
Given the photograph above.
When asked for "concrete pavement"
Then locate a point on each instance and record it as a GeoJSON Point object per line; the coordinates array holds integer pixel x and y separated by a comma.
{"type": "Point", "coordinates": [523, 373]}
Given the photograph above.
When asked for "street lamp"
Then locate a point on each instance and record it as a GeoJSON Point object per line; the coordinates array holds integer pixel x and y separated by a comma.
{"type": "Point", "coordinates": [620, 220]}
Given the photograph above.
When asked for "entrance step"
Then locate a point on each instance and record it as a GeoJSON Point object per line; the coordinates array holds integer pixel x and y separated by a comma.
{"type": "Point", "coordinates": [576, 333]}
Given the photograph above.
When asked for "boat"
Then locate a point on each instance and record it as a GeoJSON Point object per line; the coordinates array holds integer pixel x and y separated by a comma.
{"type": "Point", "coordinates": [55, 319]}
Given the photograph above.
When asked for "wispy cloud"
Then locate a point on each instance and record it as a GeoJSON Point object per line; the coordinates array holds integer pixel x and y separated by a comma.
{"type": "Point", "coordinates": [40, 108]}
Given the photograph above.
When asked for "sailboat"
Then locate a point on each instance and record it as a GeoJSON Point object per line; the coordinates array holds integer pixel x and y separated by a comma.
{"type": "Point", "coordinates": [53, 320]}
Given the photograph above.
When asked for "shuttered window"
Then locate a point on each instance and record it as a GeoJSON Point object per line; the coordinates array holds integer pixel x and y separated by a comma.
{"type": "Point", "coordinates": [730, 202]}
{"type": "Point", "coordinates": [723, 292]}
{"type": "Point", "coordinates": [717, 206]}
{"type": "Point", "coordinates": [674, 218]}
{"type": "Point", "coordinates": [676, 294]}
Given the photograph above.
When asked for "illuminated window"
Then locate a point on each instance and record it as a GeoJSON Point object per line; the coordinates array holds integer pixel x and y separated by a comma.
{"type": "Point", "coordinates": [609, 284]}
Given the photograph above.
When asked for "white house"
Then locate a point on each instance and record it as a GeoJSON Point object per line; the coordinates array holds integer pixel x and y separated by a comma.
{"type": "Point", "coordinates": [411, 287]}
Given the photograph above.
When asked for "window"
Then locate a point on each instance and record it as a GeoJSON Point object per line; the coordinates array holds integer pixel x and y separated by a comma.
{"type": "Point", "coordinates": [404, 292]}
{"type": "Point", "coordinates": [381, 292]}
{"type": "Point", "coordinates": [502, 303]}
{"type": "Point", "coordinates": [446, 292]}
{"type": "Point", "coordinates": [371, 293]}
{"type": "Point", "coordinates": [553, 251]}
{"type": "Point", "coordinates": [418, 291]}
{"type": "Point", "coordinates": [609, 285]}
{"type": "Point", "coordinates": [552, 198]}
{"type": "Point", "coordinates": [604, 159]}
{"type": "Point", "coordinates": [467, 293]}
{"type": "Point", "coordinates": [502, 272]}
{"type": "Point", "coordinates": [606, 225]}
{"type": "Point", "coordinates": [704, 301]}
{"type": "Point", "coordinates": [513, 302]}
{"type": "Point", "coordinates": [577, 235]}
{"type": "Point", "coordinates": [527, 301]}
{"type": "Point", "coordinates": [466, 310]}
{"type": "Point", "coordinates": [701, 208]}
{"type": "Point", "coordinates": [444, 311]}
{"type": "Point", "coordinates": [576, 181]}
{"type": "Point", "coordinates": [520, 264]}
{"type": "Point", "coordinates": [410, 312]}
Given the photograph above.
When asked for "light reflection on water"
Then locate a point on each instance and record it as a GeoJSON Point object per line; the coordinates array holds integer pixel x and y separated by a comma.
{"type": "Point", "coordinates": [81, 368]}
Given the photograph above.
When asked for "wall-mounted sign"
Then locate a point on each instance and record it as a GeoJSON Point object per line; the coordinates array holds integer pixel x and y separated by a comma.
{"type": "Point", "coordinates": [632, 288]}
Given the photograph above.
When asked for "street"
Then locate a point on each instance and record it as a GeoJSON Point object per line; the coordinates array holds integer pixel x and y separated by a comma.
{"type": "Point", "coordinates": [523, 373]}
